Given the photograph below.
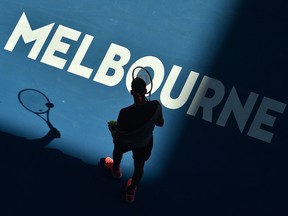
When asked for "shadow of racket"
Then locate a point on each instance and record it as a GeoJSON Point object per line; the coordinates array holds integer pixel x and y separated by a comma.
{"type": "Point", "coordinates": [37, 103]}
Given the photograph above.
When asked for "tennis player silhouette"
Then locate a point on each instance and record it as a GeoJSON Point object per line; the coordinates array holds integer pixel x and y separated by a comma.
{"type": "Point", "coordinates": [133, 131]}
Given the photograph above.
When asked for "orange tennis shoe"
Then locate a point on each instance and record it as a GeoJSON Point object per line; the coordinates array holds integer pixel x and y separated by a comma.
{"type": "Point", "coordinates": [130, 196]}
{"type": "Point", "coordinates": [108, 163]}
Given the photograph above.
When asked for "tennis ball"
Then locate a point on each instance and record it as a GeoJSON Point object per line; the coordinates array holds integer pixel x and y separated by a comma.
{"type": "Point", "coordinates": [112, 122]}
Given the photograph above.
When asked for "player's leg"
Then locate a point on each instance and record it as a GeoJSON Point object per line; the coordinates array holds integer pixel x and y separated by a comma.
{"type": "Point", "coordinates": [132, 183]}
{"type": "Point", "coordinates": [113, 165]}
{"type": "Point", "coordinates": [118, 152]}
{"type": "Point", "coordinates": [140, 156]}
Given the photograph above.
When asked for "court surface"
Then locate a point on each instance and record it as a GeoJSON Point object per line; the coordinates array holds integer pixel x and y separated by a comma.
{"type": "Point", "coordinates": [205, 161]}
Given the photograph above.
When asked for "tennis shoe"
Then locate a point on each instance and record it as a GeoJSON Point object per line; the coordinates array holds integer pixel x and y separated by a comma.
{"type": "Point", "coordinates": [108, 162]}
{"type": "Point", "coordinates": [130, 195]}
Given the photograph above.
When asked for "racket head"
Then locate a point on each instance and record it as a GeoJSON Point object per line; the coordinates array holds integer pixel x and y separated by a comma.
{"type": "Point", "coordinates": [143, 73]}
{"type": "Point", "coordinates": [35, 101]}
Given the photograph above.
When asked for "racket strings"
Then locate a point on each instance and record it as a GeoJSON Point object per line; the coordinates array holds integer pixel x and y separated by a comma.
{"type": "Point", "coordinates": [34, 101]}
{"type": "Point", "coordinates": [143, 73]}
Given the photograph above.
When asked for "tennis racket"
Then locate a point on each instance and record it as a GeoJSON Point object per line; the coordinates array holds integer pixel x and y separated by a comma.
{"type": "Point", "coordinates": [37, 103]}
{"type": "Point", "coordinates": [144, 74]}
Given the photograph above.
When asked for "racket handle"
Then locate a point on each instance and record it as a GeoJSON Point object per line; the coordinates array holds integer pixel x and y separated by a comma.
{"type": "Point", "coordinates": [50, 125]}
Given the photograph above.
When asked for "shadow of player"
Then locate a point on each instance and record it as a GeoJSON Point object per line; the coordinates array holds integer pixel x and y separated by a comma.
{"type": "Point", "coordinates": [39, 179]}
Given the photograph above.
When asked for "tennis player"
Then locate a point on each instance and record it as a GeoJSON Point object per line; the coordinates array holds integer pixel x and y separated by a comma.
{"type": "Point", "coordinates": [133, 131]}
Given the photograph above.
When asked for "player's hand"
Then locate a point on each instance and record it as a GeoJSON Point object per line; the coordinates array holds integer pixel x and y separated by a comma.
{"type": "Point", "coordinates": [54, 133]}
{"type": "Point", "coordinates": [111, 124]}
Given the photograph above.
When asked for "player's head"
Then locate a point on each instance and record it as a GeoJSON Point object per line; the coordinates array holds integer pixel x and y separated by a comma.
{"type": "Point", "coordinates": [138, 90]}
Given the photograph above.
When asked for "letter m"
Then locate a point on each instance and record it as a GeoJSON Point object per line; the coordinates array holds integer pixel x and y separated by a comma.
{"type": "Point", "coordinates": [23, 29]}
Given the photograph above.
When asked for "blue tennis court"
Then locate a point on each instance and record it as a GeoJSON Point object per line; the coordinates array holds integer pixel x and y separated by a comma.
{"type": "Point", "coordinates": [218, 69]}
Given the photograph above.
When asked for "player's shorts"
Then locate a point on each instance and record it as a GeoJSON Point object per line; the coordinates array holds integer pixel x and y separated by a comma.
{"type": "Point", "coordinates": [139, 154]}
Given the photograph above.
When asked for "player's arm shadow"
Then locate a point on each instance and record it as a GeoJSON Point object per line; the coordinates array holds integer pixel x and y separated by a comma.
{"type": "Point", "coordinates": [45, 140]}
{"type": "Point", "coordinates": [9, 141]}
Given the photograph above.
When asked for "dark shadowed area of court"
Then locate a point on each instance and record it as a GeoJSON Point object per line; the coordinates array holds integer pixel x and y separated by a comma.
{"type": "Point", "coordinates": [197, 168]}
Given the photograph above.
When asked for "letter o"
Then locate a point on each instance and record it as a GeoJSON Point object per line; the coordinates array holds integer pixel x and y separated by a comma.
{"type": "Point", "coordinates": [152, 62]}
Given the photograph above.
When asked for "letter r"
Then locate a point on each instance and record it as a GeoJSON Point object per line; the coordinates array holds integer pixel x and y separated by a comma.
{"type": "Point", "coordinates": [208, 103]}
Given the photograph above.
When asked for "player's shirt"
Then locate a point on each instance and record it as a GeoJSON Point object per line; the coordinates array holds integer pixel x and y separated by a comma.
{"type": "Point", "coordinates": [137, 122]}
